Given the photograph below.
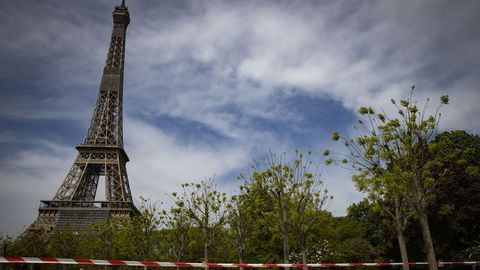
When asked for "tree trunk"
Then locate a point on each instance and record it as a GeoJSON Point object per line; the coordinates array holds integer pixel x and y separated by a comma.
{"type": "Point", "coordinates": [286, 248]}
{"type": "Point", "coordinates": [283, 218]}
{"type": "Point", "coordinates": [205, 259]}
{"type": "Point", "coordinates": [402, 245]}
{"type": "Point", "coordinates": [240, 257]}
{"type": "Point", "coordinates": [206, 234]}
{"type": "Point", "coordinates": [400, 220]}
{"type": "Point", "coordinates": [304, 256]}
{"type": "Point", "coordinates": [427, 239]}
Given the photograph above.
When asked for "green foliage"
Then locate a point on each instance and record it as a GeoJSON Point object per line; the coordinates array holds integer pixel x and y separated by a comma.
{"type": "Point", "coordinates": [456, 205]}
{"type": "Point", "coordinates": [335, 136]}
{"type": "Point", "coordinates": [263, 241]}
{"type": "Point", "coordinates": [30, 244]}
{"type": "Point", "coordinates": [63, 243]}
{"type": "Point", "coordinates": [206, 207]}
{"type": "Point", "coordinates": [5, 245]}
{"type": "Point", "coordinates": [293, 190]}
{"type": "Point", "coordinates": [344, 239]}
{"type": "Point", "coordinates": [329, 161]}
{"type": "Point", "coordinates": [377, 228]}
{"type": "Point", "coordinates": [393, 160]}
{"type": "Point", "coordinates": [240, 217]}
{"type": "Point", "coordinates": [444, 99]}
{"type": "Point", "coordinates": [142, 231]}
{"type": "Point", "coordinates": [120, 238]}
{"type": "Point", "coordinates": [178, 229]}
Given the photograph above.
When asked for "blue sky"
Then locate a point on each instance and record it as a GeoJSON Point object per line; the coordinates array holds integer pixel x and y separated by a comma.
{"type": "Point", "coordinates": [211, 85]}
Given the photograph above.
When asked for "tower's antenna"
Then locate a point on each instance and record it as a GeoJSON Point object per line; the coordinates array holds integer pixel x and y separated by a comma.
{"type": "Point", "coordinates": [123, 3]}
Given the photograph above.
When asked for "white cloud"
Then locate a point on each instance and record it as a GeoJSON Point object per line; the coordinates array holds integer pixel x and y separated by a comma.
{"type": "Point", "coordinates": [160, 163]}
{"type": "Point", "coordinates": [26, 178]}
{"type": "Point", "coordinates": [365, 56]}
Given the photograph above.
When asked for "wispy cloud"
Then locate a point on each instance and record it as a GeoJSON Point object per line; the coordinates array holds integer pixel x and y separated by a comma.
{"type": "Point", "coordinates": [160, 163]}
{"type": "Point", "coordinates": [28, 176]}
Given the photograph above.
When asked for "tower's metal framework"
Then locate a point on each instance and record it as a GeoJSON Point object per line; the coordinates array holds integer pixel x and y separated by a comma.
{"type": "Point", "coordinates": [100, 154]}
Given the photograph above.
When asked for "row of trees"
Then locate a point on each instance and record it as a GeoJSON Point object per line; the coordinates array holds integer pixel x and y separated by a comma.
{"type": "Point", "coordinates": [278, 215]}
{"type": "Point", "coordinates": [413, 178]}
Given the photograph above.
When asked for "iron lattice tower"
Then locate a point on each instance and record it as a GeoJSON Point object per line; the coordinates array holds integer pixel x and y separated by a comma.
{"type": "Point", "coordinates": [100, 154]}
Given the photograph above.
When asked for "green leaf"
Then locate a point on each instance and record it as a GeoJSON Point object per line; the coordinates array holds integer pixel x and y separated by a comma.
{"type": "Point", "coordinates": [381, 117]}
{"type": "Point", "coordinates": [363, 110]}
{"type": "Point", "coordinates": [335, 136]}
{"type": "Point", "coordinates": [444, 99]}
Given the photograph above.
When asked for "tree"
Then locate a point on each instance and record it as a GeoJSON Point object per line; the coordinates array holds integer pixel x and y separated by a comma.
{"type": "Point", "coordinates": [455, 207]}
{"type": "Point", "coordinates": [140, 232]}
{"type": "Point", "coordinates": [294, 191]}
{"type": "Point", "coordinates": [273, 177]}
{"type": "Point", "coordinates": [376, 225]}
{"type": "Point", "coordinates": [207, 208]}
{"type": "Point", "coordinates": [5, 243]}
{"type": "Point", "coordinates": [240, 220]}
{"type": "Point", "coordinates": [101, 240]}
{"type": "Point", "coordinates": [262, 242]}
{"type": "Point", "coordinates": [383, 189]}
{"type": "Point", "coordinates": [322, 240]}
{"type": "Point", "coordinates": [393, 158]}
{"type": "Point", "coordinates": [63, 242]}
{"type": "Point", "coordinates": [177, 229]}
{"type": "Point", "coordinates": [309, 198]}
{"type": "Point", "coordinates": [347, 237]}
{"type": "Point", "coordinates": [30, 243]}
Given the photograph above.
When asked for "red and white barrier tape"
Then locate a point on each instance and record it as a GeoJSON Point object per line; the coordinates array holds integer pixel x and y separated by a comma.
{"type": "Point", "coordinates": [33, 260]}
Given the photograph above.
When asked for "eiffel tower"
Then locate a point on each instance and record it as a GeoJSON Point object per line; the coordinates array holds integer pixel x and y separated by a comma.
{"type": "Point", "coordinates": [100, 155]}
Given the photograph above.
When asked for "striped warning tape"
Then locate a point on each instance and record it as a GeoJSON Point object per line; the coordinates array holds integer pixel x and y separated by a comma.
{"type": "Point", "coordinates": [34, 260]}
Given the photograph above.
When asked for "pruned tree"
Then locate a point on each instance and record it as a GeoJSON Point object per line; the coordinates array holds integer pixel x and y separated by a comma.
{"type": "Point", "coordinates": [177, 225]}
{"type": "Point", "coordinates": [207, 208]}
{"type": "Point", "coordinates": [240, 221]}
{"type": "Point", "coordinates": [393, 160]}
{"type": "Point", "coordinates": [295, 192]}
{"type": "Point", "coordinates": [309, 199]}
{"type": "Point", "coordinates": [274, 178]}
{"type": "Point", "coordinates": [142, 230]}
